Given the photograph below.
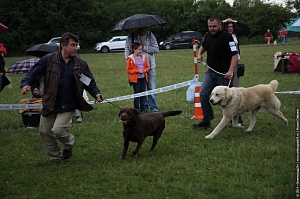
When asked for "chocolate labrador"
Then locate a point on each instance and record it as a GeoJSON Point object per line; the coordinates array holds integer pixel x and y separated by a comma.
{"type": "Point", "coordinates": [137, 126]}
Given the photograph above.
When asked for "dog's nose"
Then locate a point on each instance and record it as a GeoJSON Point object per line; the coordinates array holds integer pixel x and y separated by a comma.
{"type": "Point", "coordinates": [211, 101]}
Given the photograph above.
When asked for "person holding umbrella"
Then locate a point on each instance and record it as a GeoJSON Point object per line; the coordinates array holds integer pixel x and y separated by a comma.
{"type": "Point", "coordinates": [150, 47]}
{"type": "Point", "coordinates": [65, 76]}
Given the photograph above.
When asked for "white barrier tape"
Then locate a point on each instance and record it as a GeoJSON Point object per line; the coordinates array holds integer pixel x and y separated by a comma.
{"type": "Point", "coordinates": [288, 92]}
{"type": "Point", "coordinates": [19, 106]}
{"type": "Point", "coordinates": [151, 92]}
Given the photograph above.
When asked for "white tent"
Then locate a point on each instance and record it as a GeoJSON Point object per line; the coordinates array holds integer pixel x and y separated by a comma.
{"type": "Point", "coordinates": [297, 23]}
{"type": "Point", "coordinates": [295, 27]}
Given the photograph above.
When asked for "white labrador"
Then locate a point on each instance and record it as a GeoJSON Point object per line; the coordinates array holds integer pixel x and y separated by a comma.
{"type": "Point", "coordinates": [237, 100]}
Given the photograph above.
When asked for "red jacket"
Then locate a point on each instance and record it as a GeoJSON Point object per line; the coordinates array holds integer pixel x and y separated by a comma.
{"type": "Point", "coordinates": [283, 33]}
{"type": "Point", "coordinates": [3, 49]}
{"type": "Point", "coordinates": [294, 65]}
{"type": "Point", "coordinates": [132, 70]}
{"type": "Point", "coordinates": [268, 34]}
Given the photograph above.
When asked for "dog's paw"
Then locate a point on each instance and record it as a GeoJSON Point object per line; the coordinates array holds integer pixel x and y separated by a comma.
{"type": "Point", "coordinates": [209, 137]}
{"type": "Point", "coordinates": [134, 154]}
{"type": "Point", "coordinates": [238, 126]}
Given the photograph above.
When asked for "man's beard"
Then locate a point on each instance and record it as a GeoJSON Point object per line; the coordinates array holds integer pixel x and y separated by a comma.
{"type": "Point", "coordinates": [214, 32]}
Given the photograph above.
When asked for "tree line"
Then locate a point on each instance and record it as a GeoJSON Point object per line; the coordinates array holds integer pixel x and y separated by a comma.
{"type": "Point", "coordinates": [32, 22]}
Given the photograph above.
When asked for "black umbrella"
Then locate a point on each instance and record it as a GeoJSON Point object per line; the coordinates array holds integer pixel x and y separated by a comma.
{"type": "Point", "coordinates": [138, 21]}
{"type": "Point", "coordinates": [40, 50]}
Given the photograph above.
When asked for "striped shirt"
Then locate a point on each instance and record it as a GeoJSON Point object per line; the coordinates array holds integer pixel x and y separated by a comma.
{"type": "Point", "coordinates": [139, 62]}
{"type": "Point", "coordinates": [150, 46]}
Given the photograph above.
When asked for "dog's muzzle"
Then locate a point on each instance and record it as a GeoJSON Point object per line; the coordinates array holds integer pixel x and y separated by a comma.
{"type": "Point", "coordinates": [213, 102]}
{"type": "Point", "coordinates": [123, 119]}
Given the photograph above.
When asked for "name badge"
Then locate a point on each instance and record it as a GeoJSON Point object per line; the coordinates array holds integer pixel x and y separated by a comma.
{"type": "Point", "coordinates": [84, 79]}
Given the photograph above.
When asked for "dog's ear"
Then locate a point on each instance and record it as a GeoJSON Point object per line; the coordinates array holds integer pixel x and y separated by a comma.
{"type": "Point", "coordinates": [226, 96]}
{"type": "Point", "coordinates": [120, 112]}
{"type": "Point", "coordinates": [137, 112]}
{"type": "Point", "coordinates": [134, 113]}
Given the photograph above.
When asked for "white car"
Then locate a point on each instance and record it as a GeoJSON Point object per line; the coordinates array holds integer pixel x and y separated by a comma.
{"type": "Point", "coordinates": [56, 40]}
{"type": "Point", "coordinates": [116, 43]}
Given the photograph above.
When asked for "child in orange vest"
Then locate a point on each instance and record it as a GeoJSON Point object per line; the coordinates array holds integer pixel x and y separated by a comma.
{"type": "Point", "coordinates": [137, 67]}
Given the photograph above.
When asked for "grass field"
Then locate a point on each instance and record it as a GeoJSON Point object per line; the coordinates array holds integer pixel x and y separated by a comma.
{"type": "Point", "coordinates": [233, 165]}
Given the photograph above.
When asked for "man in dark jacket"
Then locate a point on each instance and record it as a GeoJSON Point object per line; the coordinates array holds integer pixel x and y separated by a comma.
{"type": "Point", "coordinates": [65, 76]}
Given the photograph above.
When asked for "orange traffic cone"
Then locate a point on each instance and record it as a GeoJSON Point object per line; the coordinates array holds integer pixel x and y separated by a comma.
{"type": "Point", "coordinates": [198, 111]}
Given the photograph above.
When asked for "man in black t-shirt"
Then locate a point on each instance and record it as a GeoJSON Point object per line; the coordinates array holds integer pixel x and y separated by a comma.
{"type": "Point", "coordinates": [222, 56]}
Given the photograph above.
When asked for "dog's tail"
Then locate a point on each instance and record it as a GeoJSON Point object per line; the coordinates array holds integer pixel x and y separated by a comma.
{"type": "Point", "coordinates": [274, 85]}
{"type": "Point", "coordinates": [171, 113]}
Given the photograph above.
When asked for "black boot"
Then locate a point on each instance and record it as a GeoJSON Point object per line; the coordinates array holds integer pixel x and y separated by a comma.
{"type": "Point", "coordinates": [202, 125]}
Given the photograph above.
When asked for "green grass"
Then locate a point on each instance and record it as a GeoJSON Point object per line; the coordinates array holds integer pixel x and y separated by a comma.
{"type": "Point", "coordinates": [235, 164]}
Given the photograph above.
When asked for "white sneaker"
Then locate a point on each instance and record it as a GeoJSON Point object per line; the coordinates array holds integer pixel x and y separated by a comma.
{"type": "Point", "coordinates": [79, 119]}
{"type": "Point", "coordinates": [241, 125]}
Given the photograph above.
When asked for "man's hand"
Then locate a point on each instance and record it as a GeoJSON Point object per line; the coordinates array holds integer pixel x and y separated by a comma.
{"type": "Point", "coordinates": [99, 98]}
{"type": "Point", "coordinates": [199, 58]}
{"type": "Point", "coordinates": [229, 74]}
{"type": "Point", "coordinates": [25, 89]}
{"type": "Point", "coordinates": [36, 92]}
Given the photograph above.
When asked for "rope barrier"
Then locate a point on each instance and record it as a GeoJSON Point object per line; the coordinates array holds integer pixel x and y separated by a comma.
{"type": "Point", "coordinates": [151, 92]}
{"type": "Point", "coordinates": [289, 92]}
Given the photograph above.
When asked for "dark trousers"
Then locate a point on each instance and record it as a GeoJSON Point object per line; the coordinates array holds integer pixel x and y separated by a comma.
{"type": "Point", "coordinates": [140, 86]}
{"type": "Point", "coordinates": [210, 81]}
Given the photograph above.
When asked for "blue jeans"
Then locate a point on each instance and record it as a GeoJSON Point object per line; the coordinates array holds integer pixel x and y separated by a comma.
{"type": "Point", "coordinates": [282, 39]}
{"type": "Point", "coordinates": [210, 81]}
{"type": "Point", "coordinates": [151, 84]}
{"type": "Point", "coordinates": [139, 102]}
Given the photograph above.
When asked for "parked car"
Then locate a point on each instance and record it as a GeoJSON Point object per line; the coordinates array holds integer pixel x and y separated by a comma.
{"type": "Point", "coordinates": [181, 40]}
{"type": "Point", "coordinates": [56, 40]}
{"type": "Point", "coordinates": [116, 43]}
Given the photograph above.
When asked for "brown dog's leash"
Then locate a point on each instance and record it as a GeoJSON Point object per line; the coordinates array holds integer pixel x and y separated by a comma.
{"type": "Point", "coordinates": [112, 104]}
{"type": "Point", "coordinates": [95, 102]}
